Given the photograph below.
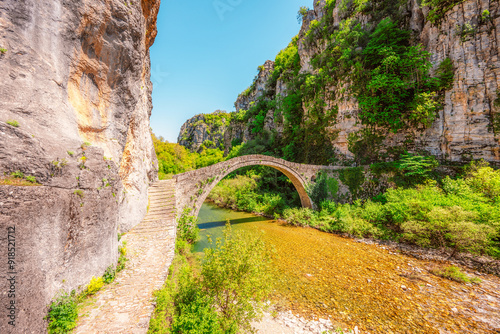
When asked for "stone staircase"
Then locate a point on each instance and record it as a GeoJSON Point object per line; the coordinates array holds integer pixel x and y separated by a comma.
{"type": "Point", "coordinates": [126, 305]}
{"type": "Point", "coordinates": [161, 207]}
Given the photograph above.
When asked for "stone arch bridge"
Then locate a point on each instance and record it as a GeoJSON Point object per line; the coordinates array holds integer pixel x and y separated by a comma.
{"type": "Point", "coordinates": [192, 188]}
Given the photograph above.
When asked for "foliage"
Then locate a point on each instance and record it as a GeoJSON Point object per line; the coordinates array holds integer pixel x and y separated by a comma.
{"type": "Point", "coordinates": [257, 190]}
{"type": "Point", "coordinates": [438, 8]}
{"type": "Point", "coordinates": [394, 87]}
{"type": "Point", "coordinates": [109, 275]}
{"type": "Point", "coordinates": [122, 258]}
{"type": "Point", "coordinates": [18, 178]}
{"type": "Point", "coordinates": [302, 13]}
{"type": "Point", "coordinates": [63, 314]}
{"type": "Point", "coordinates": [353, 178]}
{"type": "Point", "coordinates": [455, 274]}
{"type": "Point", "coordinates": [446, 74]}
{"type": "Point", "coordinates": [236, 275]}
{"type": "Point", "coordinates": [193, 300]}
{"type": "Point", "coordinates": [187, 227]}
{"type": "Point", "coordinates": [176, 159]}
{"type": "Point", "coordinates": [94, 286]}
{"type": "Point", "coordinates": [416, 168]}
{"type": "Point", "coordinates": [323, 188]}
{"type": "Point", "coordinates": [465, 31]}
{"type": "Point", "coordinates": [14, 123]}
{"type": "Point", "coordinates": [485, 16]}
{"type": "Point", "coordinates": [462, 215]}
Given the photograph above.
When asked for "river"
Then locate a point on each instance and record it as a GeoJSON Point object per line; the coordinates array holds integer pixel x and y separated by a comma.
{"type": "Point", "coordinates": [321, 275]}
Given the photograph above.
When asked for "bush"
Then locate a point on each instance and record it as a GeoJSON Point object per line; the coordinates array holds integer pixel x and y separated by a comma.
{"type": "Point", "coordinates": [63, 314]}
{"type": "Point", "coordinates": [109, 275]}
{"type": "Point", "coordinates": [94, 286]}
{"type": "Point", "coordinates": [236, 274]}
{"type": "Point", "coordinates": [187, 227]}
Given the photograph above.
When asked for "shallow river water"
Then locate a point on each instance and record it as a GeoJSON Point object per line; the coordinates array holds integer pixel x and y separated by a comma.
{"type": "Point", "coordinates": [320, 275]}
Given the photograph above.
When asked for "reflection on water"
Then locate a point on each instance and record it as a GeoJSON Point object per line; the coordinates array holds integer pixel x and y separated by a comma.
{"type": "Point", "coordinates": [212, 220]}
{"type": "Point", "coordinates": [323, 275]}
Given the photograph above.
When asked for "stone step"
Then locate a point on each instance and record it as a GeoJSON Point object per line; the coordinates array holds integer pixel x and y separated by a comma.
{"type": "Point", "coordinates": [161, 198]}
{"type": "Point", "coordinates": [156, 201]}
{"type": "Point", "coordinates": [163, 194]}
{"type": "Point", "coordinates": [162, 208]}
{"type": "Point", "coordinates": [160, 190]}
{"type": "Point", "coordinates": [158, 217]}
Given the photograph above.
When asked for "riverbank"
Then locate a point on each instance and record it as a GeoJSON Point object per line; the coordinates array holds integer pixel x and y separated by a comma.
{"type": "Point", "coordinates": [455, 219]}
{"type": "Point", "coordinates": [372, 286]}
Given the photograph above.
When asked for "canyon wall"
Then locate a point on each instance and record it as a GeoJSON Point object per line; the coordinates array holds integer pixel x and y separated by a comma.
{"type": "Point", "coordinates": [74, 114]}
{"type": "Point", "coordinates": [468, 124]}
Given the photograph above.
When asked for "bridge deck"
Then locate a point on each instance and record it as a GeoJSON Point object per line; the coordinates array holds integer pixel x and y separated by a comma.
{"type": "Point", "coordinates": [125, 306]}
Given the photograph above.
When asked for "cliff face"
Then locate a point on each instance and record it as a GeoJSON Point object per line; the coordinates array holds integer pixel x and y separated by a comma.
{"type": "Point", "coordinates": [466, 127]}
{"type": "Point", "coordinates": [76, 80]}
{"type": "Point", "coordinates": [205, 131]}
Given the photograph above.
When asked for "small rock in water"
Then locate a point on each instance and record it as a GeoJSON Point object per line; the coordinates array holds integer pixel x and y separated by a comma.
{"type": "Point", "coordinates": [403, 287]}
{"type": "Point", "coordinates": [454, 309]}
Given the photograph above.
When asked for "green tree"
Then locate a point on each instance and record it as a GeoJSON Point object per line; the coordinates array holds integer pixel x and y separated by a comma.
{"type": "Point", "coordinates": [236, 274]}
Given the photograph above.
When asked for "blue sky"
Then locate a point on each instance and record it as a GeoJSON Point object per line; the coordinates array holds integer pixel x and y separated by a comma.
{"type": "Point", "coordinates": [208, 51]}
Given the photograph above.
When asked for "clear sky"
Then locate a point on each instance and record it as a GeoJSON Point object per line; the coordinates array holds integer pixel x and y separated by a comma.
{"type": "Point", "coordinates": [208, 51]}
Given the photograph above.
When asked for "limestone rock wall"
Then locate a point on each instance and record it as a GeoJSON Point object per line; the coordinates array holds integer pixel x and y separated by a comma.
{"type": "Point", "coordinates": [202, 131]}
{"type": "Point", "coordinates": [467, 128]}
{"type": "Point", "coordinates": [74, 72]}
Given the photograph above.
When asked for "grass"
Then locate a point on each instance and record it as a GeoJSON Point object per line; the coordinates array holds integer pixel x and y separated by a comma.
{"type": "Point", "coordinates": [14, 123]}
{"type": "Point", "coordinates": [454, 273]}
{"type": "Point", "coordinates": [18, 179]}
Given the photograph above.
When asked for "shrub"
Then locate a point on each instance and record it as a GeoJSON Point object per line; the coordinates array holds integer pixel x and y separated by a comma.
{"type": "Point", "coordinates": [94, 286]}
{"type": "Point", "coordinates": [71, 153]}
{"type": "Point", "coordinates": [31, 179]}
{"type": "Point", "coordinates": [302, 13]}
{"type": "Point", "coordinates": [415, 168]}
{"type": "Point", "coordinates": [17, 174]}
{"type": "Point", "coordinates": [187, 227]}
{"type": "Point", "coordinates": [63, 314]}
{"type": "Point", "coordinates": [2, 50]}
{"type": "Point", "coordinates": [449, 228]}
{"type": "Point", "coordinates": [455, 274]}
{"type": "Point", "coordinates": [109, 275]}
{"type": "Point", "coordinates": [236, 275]}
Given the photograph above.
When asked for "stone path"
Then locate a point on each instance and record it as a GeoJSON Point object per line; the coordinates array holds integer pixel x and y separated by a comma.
{"type": "Point", "coordinates": [125, 306]}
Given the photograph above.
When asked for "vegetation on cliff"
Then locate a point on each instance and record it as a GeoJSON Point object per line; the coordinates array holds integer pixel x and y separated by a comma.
{"type": "Point", "coordinates": [175, 159]}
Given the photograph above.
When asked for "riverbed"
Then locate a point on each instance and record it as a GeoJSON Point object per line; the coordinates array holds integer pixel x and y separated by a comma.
{"type": "Point", "coordinates": [321, 275]}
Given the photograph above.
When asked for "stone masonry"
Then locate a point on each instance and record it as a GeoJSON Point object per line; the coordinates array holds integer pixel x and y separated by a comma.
{"type": "Point", "coordinates": [192, 188]}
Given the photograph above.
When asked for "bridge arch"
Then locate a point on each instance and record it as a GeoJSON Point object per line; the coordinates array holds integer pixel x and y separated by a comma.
{"type": "Point", "coordinates": [192, 188]}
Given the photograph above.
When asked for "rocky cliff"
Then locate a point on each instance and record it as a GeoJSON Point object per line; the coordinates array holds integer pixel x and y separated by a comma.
{"type": "Point", "coordinates": [205, 131]}
{"type": "Point", "coordinates": [465, 121]}
{"type": "Point", "coordinates": [74, 114]}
